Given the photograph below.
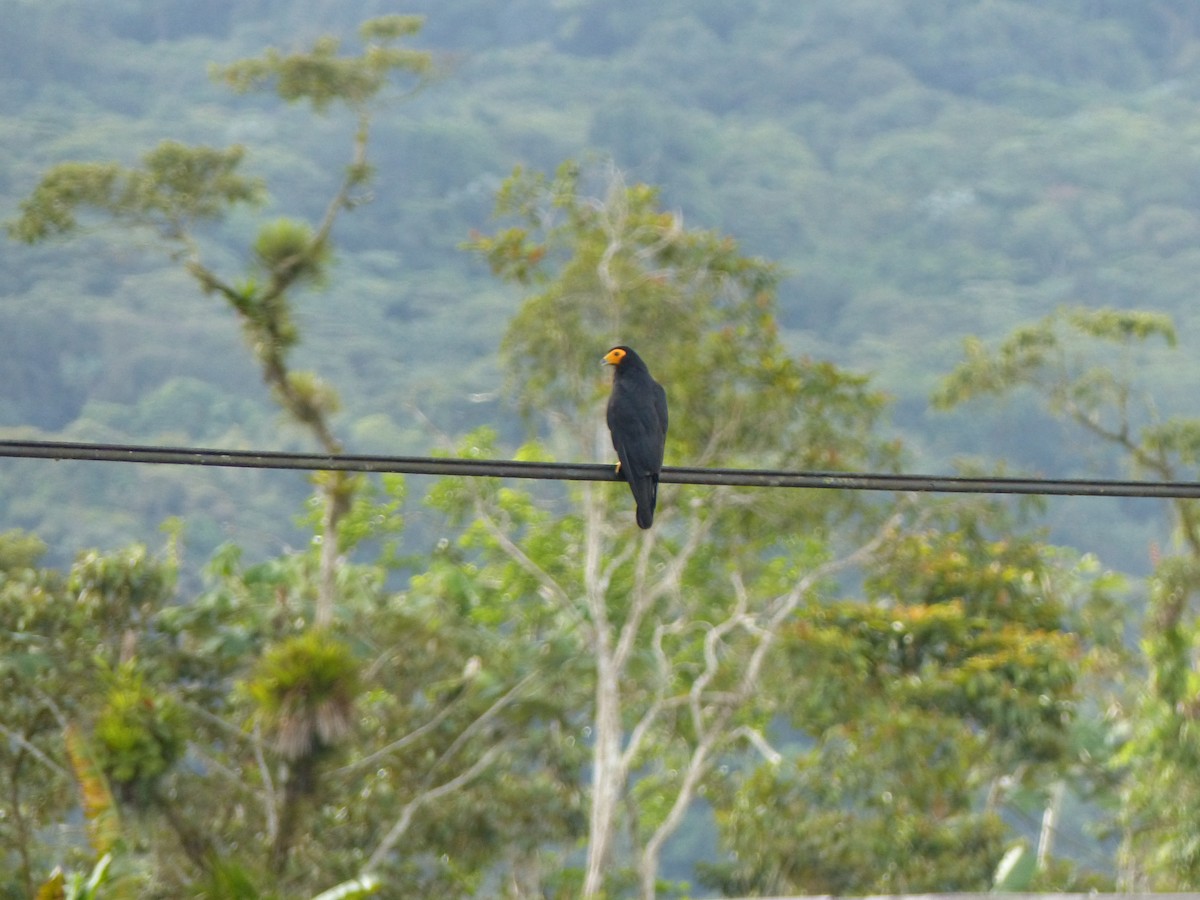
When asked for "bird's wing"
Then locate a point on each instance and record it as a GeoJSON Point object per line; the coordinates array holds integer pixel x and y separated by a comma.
{"type": "Point", "coordinates": [637, 435]}
{"type": "Point", "coordinates": [660, 406]}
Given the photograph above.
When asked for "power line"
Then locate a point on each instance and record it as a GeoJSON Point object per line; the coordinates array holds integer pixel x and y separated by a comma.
{"type": "Point", "coordinates": [502, 468]}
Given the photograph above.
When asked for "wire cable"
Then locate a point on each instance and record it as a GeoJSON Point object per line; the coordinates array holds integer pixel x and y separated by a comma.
{"type": "Point", "coordinates": [501, 468]}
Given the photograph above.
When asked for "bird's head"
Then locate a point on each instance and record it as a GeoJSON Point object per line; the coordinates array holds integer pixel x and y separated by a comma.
{"type": "Point", "coordinates": [615, 356]}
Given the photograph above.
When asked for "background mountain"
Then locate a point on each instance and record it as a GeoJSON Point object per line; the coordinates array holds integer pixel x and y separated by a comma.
{"type": "Point", "coordinates": [922, 171]}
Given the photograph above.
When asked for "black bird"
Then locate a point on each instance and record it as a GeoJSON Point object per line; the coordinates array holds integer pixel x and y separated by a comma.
{"type": "Point", "coordinates": [637, 418]}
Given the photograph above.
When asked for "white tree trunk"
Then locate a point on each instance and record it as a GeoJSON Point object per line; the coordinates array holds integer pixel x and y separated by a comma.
{"type": "Point", "coordinates": [608, 777]}
{"type": "Point", "coordinates": [1049, 828]}
{"type": "Point", "coordinates": [607, 766]}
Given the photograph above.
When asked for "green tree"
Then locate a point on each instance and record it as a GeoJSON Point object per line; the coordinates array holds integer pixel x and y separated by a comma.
{"type": "Point", "coordinates": [676, 623]}
{"type": "Point", "coordinates": [420, 744]}
{"type": "Point", "coordinates": [60, 634]}
{"type": "Point", "coordinates": [178, 187]}
{"type": "Point", "coordinates": [1068, 359]}
{"type": "Point", "coordinates": [686, 628]}
{"type": "Point", "coordinates": [417, 743]}
{"type": "Point", "coordinates": [957, 684]}
{"type": "Point", "coordinates": [311, 750]}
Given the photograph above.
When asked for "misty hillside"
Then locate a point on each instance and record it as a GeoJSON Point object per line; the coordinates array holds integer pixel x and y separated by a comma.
{"type": "Point", "coordinates": [921, 171]}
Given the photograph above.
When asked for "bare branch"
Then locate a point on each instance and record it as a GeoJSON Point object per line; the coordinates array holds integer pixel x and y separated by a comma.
{"type": "Point", "coordinates": [215, 764]}
{"type": "Point", "coordinates": [52, 705]}
{"type": "Point", "coordinates": [646, 595]}
{"type": "Point", "coordinates": [410, 809]}
{"type": "Point", "coordinates": [712, 662]}
{"type": "Point", "coordinates": [755, 738]}
{"type": "Point", "coordinates": [713, 731]}
{"type": "Point", "coordinates": [398, 744]}
{"type": "Point", "coordinates": [643, 599]}
{"type": "Point", "coordinates": [519, 556]}
{"type": "Point", "coordinates": [270, 804]}
{"type": "Point", "coordinates": [34, 751]}
{"type": "Point", "coordinates": [483, 719]}
{"type": "Point", "coordinates": [661, 702]}
{"type": "Point", "coordinates": [592, 554]}
{"type": "Point", "coordinates": [787, 603]}
{"type": "Point", "coordinates": [616, 560]}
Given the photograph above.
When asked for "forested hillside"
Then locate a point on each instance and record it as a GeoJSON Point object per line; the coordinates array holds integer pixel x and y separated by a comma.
{"type": "Point", "coordinates": [803, 214]}
{"type": "Point", "coordinates": [920, 171]}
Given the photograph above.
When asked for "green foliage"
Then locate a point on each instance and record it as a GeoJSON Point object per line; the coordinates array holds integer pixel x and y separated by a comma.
{"type": "Point", "coordinates": [965, 655]}
{"type": "Point", "coordinates": [285, 249]}
{"type": "Point", "coordinates": [77, 885]}
{"type": "Point", "coordinates": [110, 869]}
{"type": "Point", "coordinates": [1048, 357]}
{"type": "Point", "coordinates": [227, 881]}
{"type": "Point", "coordinates": [1161, 753]}
{"type": "Point", "coordinates": [634, 275]}
{"type": "Point", "coordinates": [1017, 685]}
{"type": "Point", "coordinates": [19, 551]}
{"type": "Point", "coordinates": [310, 399]}
{"type": "Point", "coordinates": [1089, 368]}
{"type": "Point", "coordinates": [51, 208]}
{"type": "Point", "coordinates": [826, 822]}
{"type": "Point", "coordinates": [139, 732]}
{"type": "Point", "coordinates": [1158, 750]}
{"type": "Point", "coordinates": [376, 516]}
{"type": "Point", "coordinates": [620, 269]}
{"type": "Point", "coordinates": [59, 634]}
{"type": "Point", "coordinates": [417, 688]}
{"type": "Point", "coordinates": [351, 890]}
{"type": "Point", "coordinates": [961, 659]}
{"type": "Point", "coordinates": [1177, 438]}
{"type": "Point", "coordinates": [304, 689]}
{"type": "Point", "coordinates": [322, 77]}
{"type": "Point", "coordinates": [1016, 870]}
{"type": "Point", "coordinates": [99, 807]}
{"type": "Point", "coordinates": [176, 187]}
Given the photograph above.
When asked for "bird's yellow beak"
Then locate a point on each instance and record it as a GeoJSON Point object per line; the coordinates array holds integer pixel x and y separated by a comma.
{"type": "Point", "coordinates": [612, 357]}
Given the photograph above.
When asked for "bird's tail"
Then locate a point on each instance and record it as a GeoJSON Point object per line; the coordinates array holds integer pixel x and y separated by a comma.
{"type": "Point", "coordinates": [647, 500]}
